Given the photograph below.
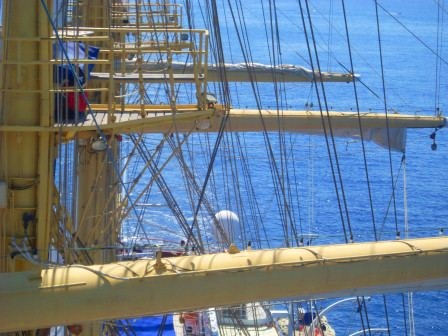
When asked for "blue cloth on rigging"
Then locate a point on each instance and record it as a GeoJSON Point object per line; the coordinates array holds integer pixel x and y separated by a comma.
{"type": "Point", "coordinates": [74, 51]}
{"type": "Point", "coordinates": [147, 326]}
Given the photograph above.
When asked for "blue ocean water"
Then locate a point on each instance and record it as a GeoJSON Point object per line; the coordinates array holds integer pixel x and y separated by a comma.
{"type": "Point", "coordinates": [411, 33]}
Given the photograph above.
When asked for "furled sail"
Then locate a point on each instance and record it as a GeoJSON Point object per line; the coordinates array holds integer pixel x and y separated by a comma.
{"type": "Point", "coordinates": [242, 72]}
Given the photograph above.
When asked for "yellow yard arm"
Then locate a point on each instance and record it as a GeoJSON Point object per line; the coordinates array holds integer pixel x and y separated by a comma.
{"type": "Point", "coordinates": [60, 295]}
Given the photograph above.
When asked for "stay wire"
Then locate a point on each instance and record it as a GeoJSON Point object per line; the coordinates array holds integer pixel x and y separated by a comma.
{"type": "Point", "coordinates": [389, 150]}
{"type": "Point", "coordinates": [361, 132]}
{"type": "Point", "coordinates": [332, 164]}
{"type": "Point", "coordinates": [270, 43]}
{"type": "Point", "coordinates": [360, 310]}
{"type": "Point", "coordinates": [410, 32]}
{"type": "Point", "coordinates": [441, 6]}
{"type": "Point", "coordinates": [386, 313]}
{"type": "Point", "coordinates": [235, 182]}
{"type": "Point", "coordinates": [362, 145]}
{"type": "Point", "coordinates": [330, 35]}
{"type": "Point", "coordinates": [283, 180]}
{"type": "Point", "coordinates": [439, 48]}
{"type": "Point", "coordinates": [387, 119]}
{"type": "Point", "coordinates": [259, 228]}
{"type": "Point", "coordinates": [391, 199]}
{"type": "Point", "coordinates": [156, 172]}
{"type": "Point", "coordinates": [405, 319]}
{"type": "Point", "coordinates": [282, 101]}
{"type": "Point", "coordinates": [280, 194]}
{"type": "Point", "coordinates": [221, 62]}
{"type": "Point", "coordinates": [360, 80]}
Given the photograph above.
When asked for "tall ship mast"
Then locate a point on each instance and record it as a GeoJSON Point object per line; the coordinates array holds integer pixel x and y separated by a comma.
{"type": "Point", "coordinates": [104, 107]}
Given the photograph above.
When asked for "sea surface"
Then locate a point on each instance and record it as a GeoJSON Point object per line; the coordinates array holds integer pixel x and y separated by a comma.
{"type": "Point", "coordinates": [412, 33]}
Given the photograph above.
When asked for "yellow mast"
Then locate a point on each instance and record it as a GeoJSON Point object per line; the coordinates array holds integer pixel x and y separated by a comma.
{"type": "Point", "coordinates": [27, 157]}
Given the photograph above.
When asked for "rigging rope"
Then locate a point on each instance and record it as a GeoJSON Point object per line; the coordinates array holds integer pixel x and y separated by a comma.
{"type": "Point", "coordinates": [387, 119]}
{"type": "Point", "coordinates": [439, 50]}
{"type": "Point", "coordinates": [224, 120]}
{"type": "Point", "coordinates": [348, 237]}
{"type": "Point", "coordinates": [410, 32]}
{"type": "Point", "coordinates": [280, 192]}
{"type": "Point", "coordinates": [361, 133]}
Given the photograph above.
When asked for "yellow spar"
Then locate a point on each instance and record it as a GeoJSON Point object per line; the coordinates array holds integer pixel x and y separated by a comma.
{"type": "Point", "coordinates": [60, 295]}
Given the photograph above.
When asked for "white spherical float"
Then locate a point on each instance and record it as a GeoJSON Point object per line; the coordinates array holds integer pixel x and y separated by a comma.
{"type": "Point", "coordinates": [230, 224]}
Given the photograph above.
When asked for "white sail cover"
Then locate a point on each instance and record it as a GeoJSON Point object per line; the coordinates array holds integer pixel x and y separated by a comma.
{"type": "Point", "coordinates": [394, 139]}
